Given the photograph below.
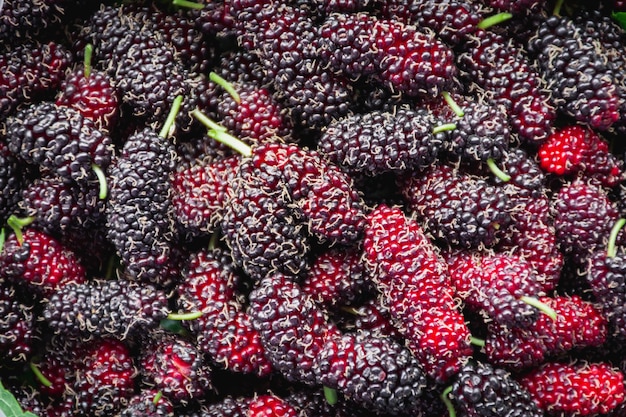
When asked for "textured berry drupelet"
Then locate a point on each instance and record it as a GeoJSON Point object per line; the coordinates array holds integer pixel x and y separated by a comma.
{"type": "Point", "coordinates": [140, 215]}
{"type": "Point", "coordinates": [481, 390]}
{"type": "Point", "coordinates": [578, 149]}
{"type": "Point", "coordinates": [224, 331]}
{"type": "Point", "coordinates": [578, 324]}
{"type": "Point", "coordinates": [457, 208]}
{"type": "Point", "coordinates": [413, 60]}
{"type": "Point", "coordinates": [527, 179]}
{"type": "Point", "coordinates": [377, 142]}
{"type": "Point", "coordinates": [452, 20]}
{"type": "Point", "coordinates": [584, 216]}
{"type": "Point", "coordinates": [415, 285]}
{"type": "Point", "coordinates": [293, 328]}
{"type": "Point", "coordinates": [143, 405]}
{"type": "Point", "coordinates": [582, 81]}
{"type": "Point", "coordinates": [376, 373]}
{"type": "Point", "coordinates": [576, 389]}
{"type": "Point", "coordinates": [199, 194]}
{"type": "Point", "coordinates": [29, 71]}
{"type": "Point", "coordinates": [23, 20]}
{"type": "Point", "coordinates": [494, 284]}
{"type": "Point", "coordinates": [337, 277]}
{"type": "Point", "coordinates": [58, 139]}
{"type": "Point", "coordinates": [228, 406]}
{"type": "Point", "coordinates": [60, 208]}
{"type": "Point", "coordinates": [93, 94]}
{"type": "Point", "coordinates": [105, 377]}
{"type": "Point", "coordinates": [325, 198]}
{"type": "Point", "coordinates": [17, 327]}
{"type": "Point", "coordinates": [112, 308]}
{"type": "Point", "coordinates": [269, 405]}
{"type": "Point", "coordinates": [498, 68]}
{"type": "Point", "coordinates": [36, 261]}
{"type": "Point", "coordinates": [174, 366]}
{"type": "Point", "coordinates": [12, 181]}
{"type": "Point", "coordinates": [606, 275]}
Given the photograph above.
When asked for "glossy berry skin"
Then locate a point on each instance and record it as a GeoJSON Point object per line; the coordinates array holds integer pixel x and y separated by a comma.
{"type": "Point", "coordinates": [481, 389]}
{"type": "Point", "coordinates": [416, 287]}
{"type": "Point", "coordinates": [143, 405]}
{"type": "Point", "coordinates": [578, 324]}
{"type": "Point", "coordinates": [575, 389]}
{"type": "Point", "coordinates": [40, 263]}
{"type": "Point", "coordinates": [58, 139]}
{"type": "Point", "coordinates": [578, 149]}
{"type": "Point", "coordinates": [293, 328]}
{"type": "Point", "coordinates": [12, 181]}
{"type": "Point", "coordinates": [362, 368]}
{"type": "Point", "coordinates": [606, 276]}
{"type": "Point", "coordinates": [270, 406]}
{"type": "Point", "coordinates": [17, 330]}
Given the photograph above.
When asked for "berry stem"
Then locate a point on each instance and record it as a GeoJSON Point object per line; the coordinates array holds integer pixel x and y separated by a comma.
{"type": "Point", "coordinates": [17, 224]}
{"type": "Point", "coordinates": [444, 128]}
{"type": "Point", "coordinates": [229, 140]}
{"type": "Point", "coordinates": [453, 104]}
{"type": "Point", "coordinates": [447, 402]}
{"type": "Point", "coordinates": [230, 89]}
{"type": "Point", "coordinates": [213, 240]}
{"type": "Point", "coordinates": [102, 181]}
{"type": "Point", "coordinates": [331, 395]}
{"type": "Point", "coordinates": [557, 7]}
{"type": "Point", "coordinates": [207, 121]}
{"type": "Point", "coordinates": [87, 60]}
{"type": "Point", "coordinates": [39, 375]}
{"type": "Point", "coordinates": [611, 251]}
{"type": "Point", "coordinates": [188, 4]}
{"type": "Point", "coordinates": [169, 122]}
{"type": "Point", "coordinates": [543, 307]}
{"type": "Point", "coordinates": [184, 316]}
{"type": "Point", "coordinates": [497, 171]}
{"type": "Point", "coordinates": [496, 19]}
{"type": "Point", "coordinates": [2, 238]}
{"type": "Point", "coordinates": [157, 397]}
{"type": "Point", "coordinates": [477, 342]}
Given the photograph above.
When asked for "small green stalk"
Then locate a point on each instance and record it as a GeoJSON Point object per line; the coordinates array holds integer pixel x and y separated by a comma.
{"type": "Point", "coordinates": [3, 237]}
{"type": "Point", "coordinates": [446, 127]}
{"type": "Point", "coordinates": [230, 89]}
{"type": "Point", "coordinates": [40, 376]}
{"type": "Point", "coordinates": [611, 251]}
{"type": "Point", "coordinates": [157, 397]}
{"type": "Point", "coordinates": [453, 104]}
{"type": "Point", "coordinates": [87, 60]}
{"type": "Point", "coordinates": [171, 117]}
{"type": "Point", "coordinates": [188, 4]}
{"type": "Point", "coordinates": [207, 121]}
{"type": "Point", "coordinates": [17, 224]}
{"type": "Point", "coordinates": [447, 402]}
{"type": "Point", "coordinates": [184, 316]}
{"type": "Point", "coordinates": [497, 171]}
{"type": "Point", "coordinates": [557, 7]}
{"type": "Point", "coordinates": [102, 181]}
{"type": "Point", "coordinates": [496, 19]}
{"type": "Point", "coordinates": [543, 307]}
{"type": "Point", "coordinates": [477, 342]}
{"type": "Point", "coordinates": [330, 394]}
{"type": "Point", "coordinates": [213, 240]}
{"type": "Point", "coordinates": [219, 133]}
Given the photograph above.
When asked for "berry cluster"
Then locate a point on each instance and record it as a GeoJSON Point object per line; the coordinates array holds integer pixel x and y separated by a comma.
{"type": "Point", "coordinates": [312, 208]}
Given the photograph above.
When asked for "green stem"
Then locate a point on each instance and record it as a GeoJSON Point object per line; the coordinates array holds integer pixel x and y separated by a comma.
{"type": "Point", "coordinates": [87, 60]}
{"type": "Point", "coordinates": [17, 224]}
{"type": "Point", "coordinates": [477, 342]}
{"type": "Point", "coordinates": [231, 141]}
{"type": "Point", "coordinates": [453, 104]}
{"type": "Point", "coordinates": [496, 19]}
{"type": "Point", "coordinates": [611, 251]}
{"type": "Point", "coordinates": [541, 306]}
{"type": "Point", "coordinates": [178, 101]}
{"type": "Point", "coordinates": [185, 316]}
{"type": "Point", "coordinates": [214, 240]}
{"type": "Point", "coordinates": [444, 128]}
{"type": "Point", "coordinates": [40, 376]}
{"type": "Point", "coordinates": [188, 4]}
{"type": "Point", "coordinates": [207, 121]}
{"type": "Point", "coordinates": [230, 89]}
{"type": "Point", "coordinates": [157, 397]}
{"type": "Point", "coordinates": [447, 402]}
{"type": "Point", "coordinates": [557, 7]}
{"type": "Point", "coordinates": [102, 181]}
{"type": "Point", "coordinates": [331, 395]}
{"type": "Point", "coordinates": [497, 171]}
{"type": "Point", "coordinates": [3, 237]}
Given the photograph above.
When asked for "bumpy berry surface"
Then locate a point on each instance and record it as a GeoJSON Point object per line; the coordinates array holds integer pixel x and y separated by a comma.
{"type": "Point", "coordinates": [11, 181]}
{"type": "Point", "coordinates": [271, 406]}
{"type": "Point", "coordinates": [143, 405]}
{"type": "Point", "coordinates": [293, 328]}
{"type": "Point", "coordinates": [483, 390]}
{"type": "Point", "coordinates": [606, 277]}
{"type": "Point", "coordinates": [111, 308]}
{"type": "Point", "coordinates": [17, 330]}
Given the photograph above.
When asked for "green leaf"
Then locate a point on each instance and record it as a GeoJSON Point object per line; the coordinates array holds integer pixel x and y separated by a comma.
{"type": "Point", "coordinates": [620, 17]}
{"type": "Point", "coordinates": [9, 406]}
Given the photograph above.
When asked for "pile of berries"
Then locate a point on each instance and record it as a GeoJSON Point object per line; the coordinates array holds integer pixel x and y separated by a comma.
{"type": "Point", "coordinates": [313, 208]}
